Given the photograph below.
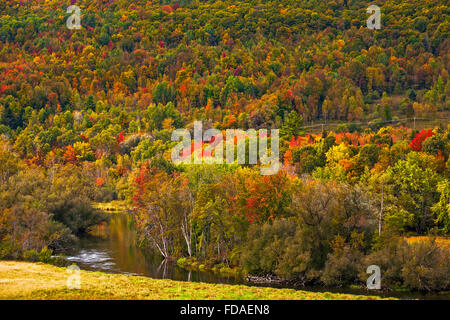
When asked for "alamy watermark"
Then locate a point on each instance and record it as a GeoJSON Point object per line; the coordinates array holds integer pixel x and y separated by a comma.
{"type": "Point", "coordinates": [374, 21]}
{"type": "Point", "coordinates": [74, 21]}
{"type": "Point", "coordinates": [188, 152]}
{"type": "Point", "coordinates": [74, 279]}
{"type": "Point", "coordinates": [374, 281]}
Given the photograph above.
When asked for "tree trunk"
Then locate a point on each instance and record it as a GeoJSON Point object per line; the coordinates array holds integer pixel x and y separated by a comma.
{"type": "Point", "coordinates": [380, 217]}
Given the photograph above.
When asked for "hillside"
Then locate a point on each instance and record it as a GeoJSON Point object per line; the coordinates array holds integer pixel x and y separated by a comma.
{"type": "Point", "coordinates": [234, 63]}
{"type": "Point", "coordinates": [90, 115]}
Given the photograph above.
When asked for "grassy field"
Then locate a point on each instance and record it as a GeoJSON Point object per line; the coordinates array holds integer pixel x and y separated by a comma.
{"type": "Point", "coordinates": [441, 241]}
{"type": "Point", "coordinates": [23, 280]}
{"type": "Point", "coordinates": [113, 206]}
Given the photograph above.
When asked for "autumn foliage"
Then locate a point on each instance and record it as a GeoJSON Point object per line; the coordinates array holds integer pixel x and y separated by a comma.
{"type": "Point", "coordinates": [88, 115]}
{"type": "Point", "coordinates": [416, 143]}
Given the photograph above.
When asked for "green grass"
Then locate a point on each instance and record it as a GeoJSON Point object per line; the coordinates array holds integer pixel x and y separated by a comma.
{"type": "Point", "coordinates": [23, 280]}
{"type": "Point", "coordinates": [114, 206]}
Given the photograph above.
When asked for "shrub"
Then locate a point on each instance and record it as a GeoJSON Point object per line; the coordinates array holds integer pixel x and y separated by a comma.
{"type": "Point", "coordinates": [31, 255]}
{"type": "Point", "coordinates": [426, 267]}
{"type": "Point", "coordinates": [48, 212]}
{"type": "Point", "coordinates": [45, 255]}
{"type": "Point", "coordinates": [266, 245]}
{"type": "Point", "coordinates": [342, 268]}
{"type": "Point", "coordinates": [416, 266]}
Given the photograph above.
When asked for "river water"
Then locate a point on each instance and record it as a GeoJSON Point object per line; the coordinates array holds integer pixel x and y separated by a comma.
{"type": "Point", "coordinates": [111, 247]}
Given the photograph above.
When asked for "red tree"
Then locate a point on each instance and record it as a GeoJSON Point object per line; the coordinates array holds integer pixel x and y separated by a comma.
{"type": "Point", "coordinates": [416, 143]}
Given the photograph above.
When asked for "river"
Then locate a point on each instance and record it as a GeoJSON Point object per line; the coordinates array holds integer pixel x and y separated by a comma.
{"type": "Point", "coordinates": [111, 247]}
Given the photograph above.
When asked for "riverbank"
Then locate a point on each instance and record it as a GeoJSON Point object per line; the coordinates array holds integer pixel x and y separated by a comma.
{"type": "Point", "coordinates": [24, 280]}
{"type": "Point", "coordinates": [117, 206]}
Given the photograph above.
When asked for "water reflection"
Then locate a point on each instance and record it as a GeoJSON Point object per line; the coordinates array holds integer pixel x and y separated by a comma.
{"type": "Point", "coordinates": [111, 247]}
{"type": "Point", "coordinates": [99, 260]}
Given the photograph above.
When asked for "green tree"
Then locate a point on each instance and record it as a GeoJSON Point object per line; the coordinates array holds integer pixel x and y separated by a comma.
{"type": "Point", "coordinates": [442, 208]}
{"type": "Point", "coordinates": [291, 126]}
{"type": "Point", "coordinates": [414, 189]}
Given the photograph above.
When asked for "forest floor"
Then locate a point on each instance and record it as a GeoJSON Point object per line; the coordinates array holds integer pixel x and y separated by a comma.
{"type": "Point", "coordinates": [25, 280]}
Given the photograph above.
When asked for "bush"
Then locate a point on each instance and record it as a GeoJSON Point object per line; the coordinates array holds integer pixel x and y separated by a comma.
{"type": "Point", "coordinates": [427, 267]}
{"type": "Point", "coordinates": [48, 212]}
{"type": "Point", "coordinates": [6, 249]}
{"type": "Point", "coordinates": [31, 255]}
{"type": "Point", "coordinates": [266, 245]}
{"type": "Point", "coordinates": [417, 266]}
{"type": "Point", "coordinates": [274, 249]}
{"type": "Point", "coordinates": [341, 268]}
{"type": "Point", "coordinates": [45, 255]}
{"type": "Point", "coordinates": [348, 127]}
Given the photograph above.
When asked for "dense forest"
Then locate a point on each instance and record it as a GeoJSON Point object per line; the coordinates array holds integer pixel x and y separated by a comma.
{"type": "Point", "coordinates": [87, 116]}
